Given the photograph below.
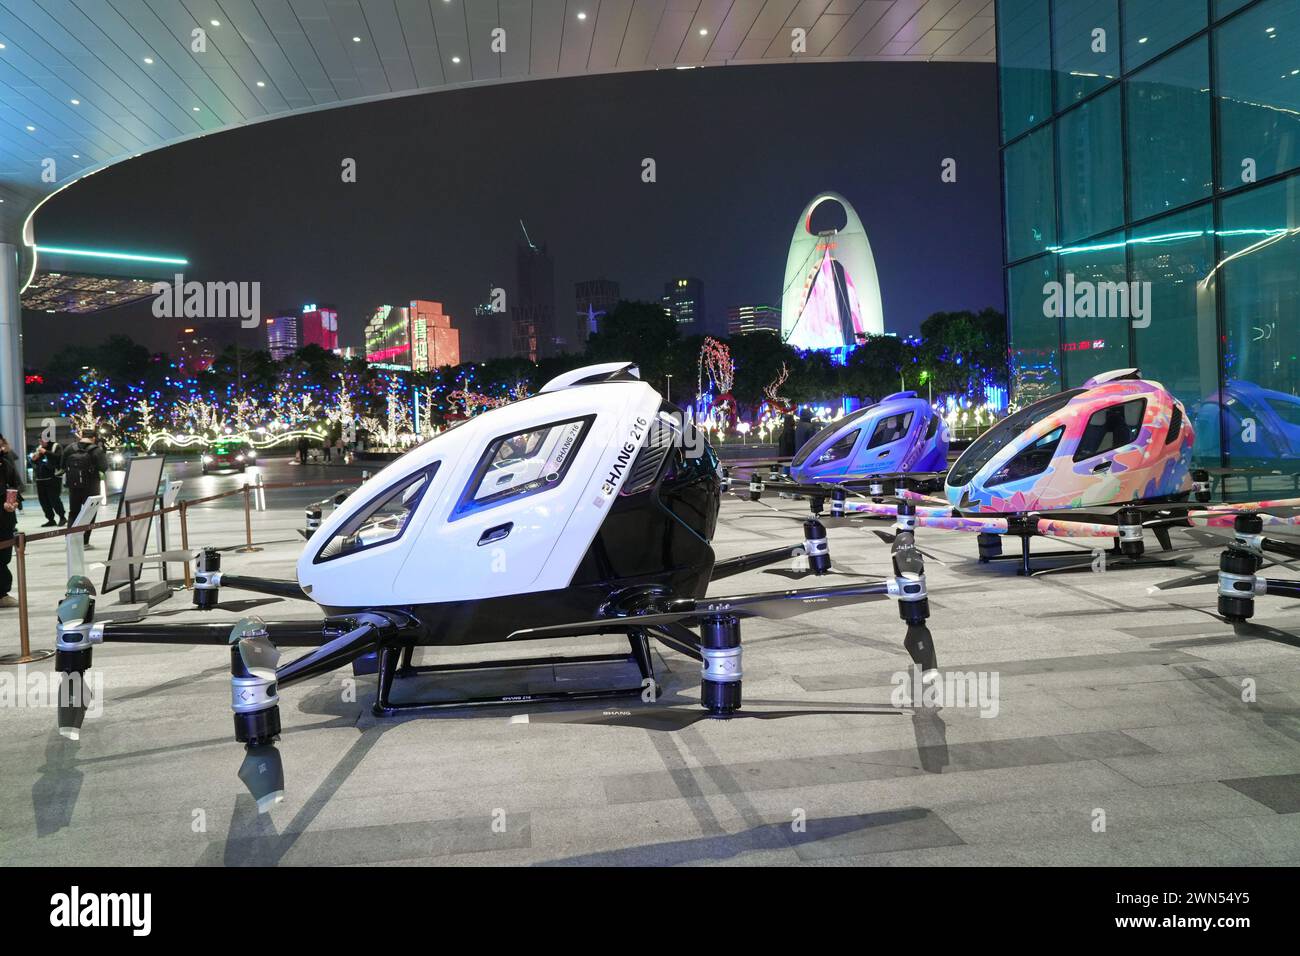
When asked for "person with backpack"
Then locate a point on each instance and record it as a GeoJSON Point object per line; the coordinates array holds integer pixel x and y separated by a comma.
{"type": "Point", "coordinates": [47, 469]}
{"type": "Point", "coordinates": [11, 486]}
{"type": "Point", "coordinates": [83, 467]}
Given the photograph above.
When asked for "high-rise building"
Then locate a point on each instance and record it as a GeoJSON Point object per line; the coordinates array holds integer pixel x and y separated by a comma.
{"type": "Point", "coordinates": [1151, 202]}
{"type": "Point", "coordinates": [320, 326]}
{"type": "Point", "coordinates": [388, 337]}
{"type": "Point", "coordinates": [195, 352]}
{"type": "Point", "coordinates": [592, 299]}
{"type": "Point", "coordinates": [282, 334]}
{"type": "Point", "coordinates": [533, 333]}
{"type": "Point", "coordinates": [753, 318]}
{"type": "Point", "coordinates": [684, 302]}
{"type": "Point", "coordinates": [831, 293]}
{"type": "Point", "coordinates": [434, 343]}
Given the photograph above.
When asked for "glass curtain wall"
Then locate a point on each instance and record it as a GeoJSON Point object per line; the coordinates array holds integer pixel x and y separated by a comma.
{"type": "Point", "coordinates": [1151, 190]}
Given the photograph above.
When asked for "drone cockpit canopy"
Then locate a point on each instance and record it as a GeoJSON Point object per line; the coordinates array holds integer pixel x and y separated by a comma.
{"type": "Point", "coordinates": [1117, 438]}
{"type": "Point", "coordinates": [508, 502]}
{"type": "Point", "coordinates": [900, 433]}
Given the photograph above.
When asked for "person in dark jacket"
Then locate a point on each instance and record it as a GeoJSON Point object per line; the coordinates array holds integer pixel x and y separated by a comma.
{"type": "Point", "coordinates": [303, 445]}
{"type": "Point", "coordinates": [805, 429]}
{"type": "Point", "coordinates": [84, 465]}
{"type": "Point", "coordinates": [787, 447]}
{"type": "Point", "coordinates": [47, 469]}
{"type": "Point", "coordinates": [11, 486]}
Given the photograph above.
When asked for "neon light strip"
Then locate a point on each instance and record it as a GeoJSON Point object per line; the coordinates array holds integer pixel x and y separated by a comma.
{"type": "Point", "coordinates": [124, 256]}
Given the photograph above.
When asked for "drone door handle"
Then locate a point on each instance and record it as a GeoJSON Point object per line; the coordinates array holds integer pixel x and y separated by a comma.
{"type": "Point", "coordinates": [1101, 466]}
{"type": "Point", "coordinates": [495, 534]}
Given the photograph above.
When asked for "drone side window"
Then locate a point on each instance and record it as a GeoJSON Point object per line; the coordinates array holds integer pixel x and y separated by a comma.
{"type": "Point", "coordinates": [1175, 425]}
{"type": "Point", "coordinates": [840, 449]}
{"type": "Point", "coordinates": [523, 463]}
{"type": "Point", "coordinates": [931, 427]}
{"type": "Point", "coordinates": [383, 520]}
{"type": "Point", "coordinates": [890, 429]}
{"type": "Point", "coordinates": [1032, 461]}
{"type": "Point", "coordinates": [1110, 428]}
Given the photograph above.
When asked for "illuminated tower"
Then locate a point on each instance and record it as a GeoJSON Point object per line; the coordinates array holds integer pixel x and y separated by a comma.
{"type": "Point", "coordinates": [831, 294]}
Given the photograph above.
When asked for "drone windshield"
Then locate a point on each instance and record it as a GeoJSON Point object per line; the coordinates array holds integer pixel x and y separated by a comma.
{"type": "Point", "coordinates": [816, 441]}
{"type": "Point", "coordinates": [996, 438]}
{"type": "Point", "coordinates": [383, 521]}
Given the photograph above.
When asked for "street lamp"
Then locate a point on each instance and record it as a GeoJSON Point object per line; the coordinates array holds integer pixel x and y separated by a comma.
{"type": "Point", "coordinates": [669, 395]}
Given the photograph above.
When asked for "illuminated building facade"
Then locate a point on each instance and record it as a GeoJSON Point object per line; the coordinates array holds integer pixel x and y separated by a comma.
{"type": "Point", "coordinates": [434, 343]}
{"type": "Point", "coordinates": [753, 318]}
{"type": "Point", "coordinates": [388, 337]}
{"type": "Point", "coordinates": [282, 335]}
{"type": "Point", "coordinates": [684, 302]}
{"type": "Point", "coordinates": [320, 326]}
{"type": "Point", "coordinates": [830, 295]}
{"type": "Point", "coordinates": [1151, 199]}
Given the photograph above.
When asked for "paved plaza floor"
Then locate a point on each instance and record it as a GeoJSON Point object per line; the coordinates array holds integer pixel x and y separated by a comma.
{"type": "Point", "coordinates": [1125, 729]}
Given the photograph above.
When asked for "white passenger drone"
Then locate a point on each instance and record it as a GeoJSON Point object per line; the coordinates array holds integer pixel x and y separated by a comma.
{"type": "Point", "coordinates": [582, 510]}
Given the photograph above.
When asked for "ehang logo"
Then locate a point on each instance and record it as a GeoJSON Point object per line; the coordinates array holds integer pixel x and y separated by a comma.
{"type": "Point", "coordinates": [624, 457]}
{"type": "Point", "coordinates": [98, 910]}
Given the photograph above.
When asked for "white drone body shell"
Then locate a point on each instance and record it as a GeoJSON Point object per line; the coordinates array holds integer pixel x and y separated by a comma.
{"type": "Point", "coordinates": [438, 557]}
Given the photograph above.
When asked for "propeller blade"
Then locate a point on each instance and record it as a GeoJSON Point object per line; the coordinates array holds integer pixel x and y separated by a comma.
{"type": "Point", "coordinates": [74, 700]}
{"type": "Point", "coordinates": [262, 772]}
{"type": "Point", "coordinates": [920, 644]}
{"type": "Point", "coordinates": [255, 647]}
{"type": "Point", "coordinates": [888, 538]}
{"type": "Point", "coordinates": [905, 556]}
{"type": "Point", "coordinates": [1188, 581]}
{"type": "Point", "coordinates": [74, 610]}
{"type": "Point", "coordinates": [679, 718]}
{"type": "Point", "coordinates": [778, 605]}
{"type": "Point", "coordinates": [836, 569]}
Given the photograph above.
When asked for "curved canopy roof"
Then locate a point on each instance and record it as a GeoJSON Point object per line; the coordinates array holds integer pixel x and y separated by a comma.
{"type": "Point", "coordinates": [86, 83]}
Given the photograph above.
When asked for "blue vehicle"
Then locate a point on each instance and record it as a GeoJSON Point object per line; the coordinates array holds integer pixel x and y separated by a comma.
{"type": "Point", "coordinates": [899, 434]}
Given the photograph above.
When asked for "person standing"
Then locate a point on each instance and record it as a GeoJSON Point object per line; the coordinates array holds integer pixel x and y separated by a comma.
{"type": "Point", "coordinates": [84, 465]}
{"type": "Point", "coordinates": [787, 446]}
{"type": "Point", "coordinates": [11, 485]}
{"type": "Point", "coordinates": [303, 445]}
{"type": "Point", "coordinates": [47, 469]}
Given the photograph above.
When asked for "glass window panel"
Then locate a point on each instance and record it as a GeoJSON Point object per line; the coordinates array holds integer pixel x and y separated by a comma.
{"type": "Point", "coordinates": [524, 463]}
{"type": "Point", "coordinates": [1169, 132]}
{"type": "Point", "coordinates": [890, 429]}
{"type": "Point", "coordinates": [1024, 64]}
{"type": "Point", "coordinates": [1153, 26]}
{"type": "Point", "coordinates": [1178, 347]}
{"type": "Point", "coordinates": [1092, 168]}
{"type": "Point", "coordinates": [1111, 428]}
{"type": "Point", "coordinates": [1258, 85]}
{"type": "Point", "coordinates": [1224, 7]}
{"type": "Point", "coordinates": [1086, 60]}
{"type": "Point", "coordinates": [1035, 337]}
{"type": "Point", "coordinates": [1096, 339]}
{"type": "Point", "coordinates": [383, 521]}
{"type": "Point", "coordinates": [1260, 283]}
{"type": "Point", "coordinates": [1030, 200]}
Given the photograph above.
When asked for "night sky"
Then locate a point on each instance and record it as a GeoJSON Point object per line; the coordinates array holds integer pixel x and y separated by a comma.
{"type": "Point", "coordinates": [443, 179]}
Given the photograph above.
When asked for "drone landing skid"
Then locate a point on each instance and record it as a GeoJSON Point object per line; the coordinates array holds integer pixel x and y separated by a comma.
{"type": "Point", "coordinates": [988, 552]}
{"type": "Point", "coordinates": [389, 670]}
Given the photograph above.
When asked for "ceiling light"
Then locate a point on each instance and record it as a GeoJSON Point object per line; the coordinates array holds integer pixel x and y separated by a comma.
{"type": "Point", "coordinates": [2, 46]}
{"type": "Point", "coordinates": [215, 23]}
{"type": "Point", "coordinates": [195, 108]}
{"type": "Point", "coordinates": [1143, 39]}
{"type": "Point", "coordinates": [260, 83]}
{"type": "Point", "coordinates": [148, 59]}
{"type": "Point", "coordinates": [582, 16]}
{"type": "Point", "coordinates": [455, 59]}
{"type": "Point", "coordinates": [356, 39]}
{"type": "Point", "coordinates": [31, 129]}
{"type": "Point", "coordinates": [704, 31]}
{"type": "Point", "coordinates": [75, 102]}
{"type": "Point", "coordinates": [76, 156]}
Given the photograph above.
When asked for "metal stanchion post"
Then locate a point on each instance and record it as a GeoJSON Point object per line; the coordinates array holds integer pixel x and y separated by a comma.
{"type": "Point", "coordinates": [24, 655]}
{"type": "Point", "coordinates": [185, 545]}
{"type": "Point", "coordinates": [248, 522]}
